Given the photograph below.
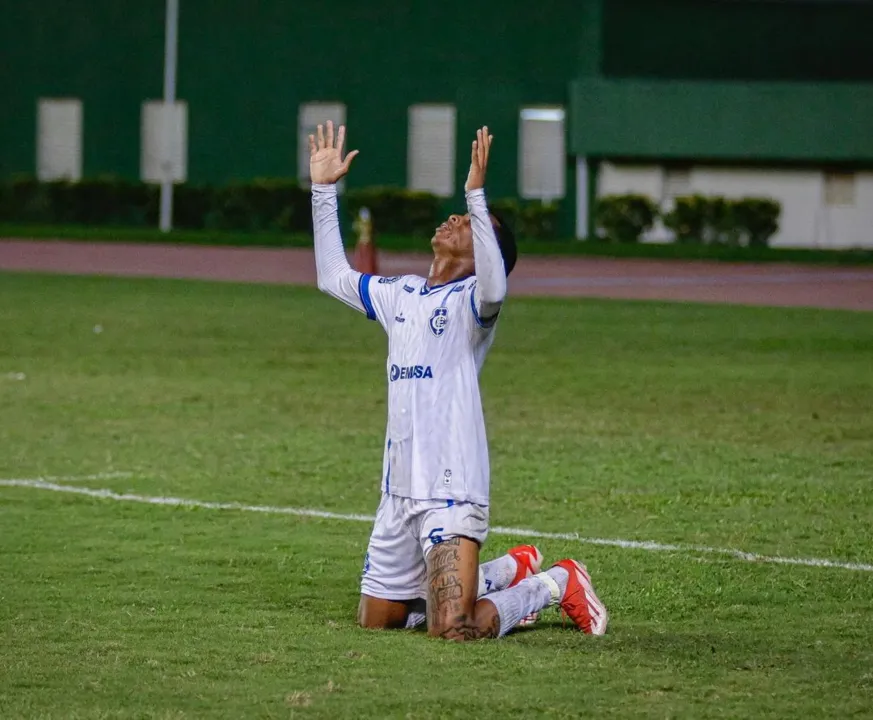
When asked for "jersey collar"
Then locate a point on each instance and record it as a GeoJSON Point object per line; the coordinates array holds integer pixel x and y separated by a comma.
{"type": "Point", "coordinates": [425, 290]}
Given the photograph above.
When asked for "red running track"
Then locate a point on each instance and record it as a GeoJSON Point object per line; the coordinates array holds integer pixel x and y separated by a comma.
{"type": "Point", "coordinates": [690, 281]}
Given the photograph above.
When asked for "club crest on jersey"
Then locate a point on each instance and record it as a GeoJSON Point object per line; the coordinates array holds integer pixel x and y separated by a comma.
{"type": "Point", "coordinates": [438, 320]}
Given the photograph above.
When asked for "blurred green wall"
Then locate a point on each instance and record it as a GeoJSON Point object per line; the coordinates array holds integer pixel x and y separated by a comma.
{"type": "Point", "coordinates": [636, 74]}
{"type": "Point", "coordinates": [246, 65]}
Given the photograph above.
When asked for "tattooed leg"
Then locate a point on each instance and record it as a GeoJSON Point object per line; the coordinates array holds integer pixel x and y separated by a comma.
{"type": "Point", "coordinates": [453, 612]}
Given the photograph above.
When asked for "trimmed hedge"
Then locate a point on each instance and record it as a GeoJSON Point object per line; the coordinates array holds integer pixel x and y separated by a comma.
{"type": "Point", "coordinates": [694, 219]}
{"type": "Point", "coordinates": [624, 218]}
{"type": "Point", "coordinates": [529, 219]}
{"type": "Point", "coordinates": [261, 205]}
{"type": "Point", "coordinates": [396, 210]}
{"type": "Point", "coordinates": [758, 218]}
{"type": "Point", "coordinates": [97, 201]}
{"type": "Point", "coordinates": [720, 221]}
{"type": "Point", "coordinates": [282, 206]}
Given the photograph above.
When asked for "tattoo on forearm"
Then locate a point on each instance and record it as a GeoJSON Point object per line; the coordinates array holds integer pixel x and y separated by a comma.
{"type": "Point", "coordinates": [462, 629]}
{"type": "Point", "coordinates": [445, 559]}
{"type": "Point", "coordinates": [447, 588]}
{"type": "Point", "coordinates": [445, 608]}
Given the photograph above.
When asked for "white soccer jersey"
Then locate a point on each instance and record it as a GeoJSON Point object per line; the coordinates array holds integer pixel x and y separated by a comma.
{"type": "Point", "coordinates": [435, 444]}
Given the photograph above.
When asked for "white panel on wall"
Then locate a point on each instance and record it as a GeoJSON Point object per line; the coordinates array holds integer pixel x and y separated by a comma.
{"type": "Point", "coordinates": [542, 154]}
{"type": "Point", "coordinates": [862, 236]}
{"type": "Point", "coordinates": [677, 183]}
{"type": "Point", "coordinates": [164, 141]}
{"type": "Point", "coordinates": [839, 189]}
{"type": "Point", "coordinates": [848, 210]}
{"type": "Point", "coordinates": [624, 179]}
{"type": "Point", "coordinates": [430, 154]}
{"type": "Point", "coordinates": [59, 139]}
{"type": "Point", "coordinates": [309, 117]}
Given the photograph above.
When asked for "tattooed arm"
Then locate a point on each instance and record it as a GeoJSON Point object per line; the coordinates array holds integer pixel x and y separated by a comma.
{"type": "Point", "coordinates": [453, 582]}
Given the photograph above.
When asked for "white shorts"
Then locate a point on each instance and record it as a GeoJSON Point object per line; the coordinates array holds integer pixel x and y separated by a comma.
{"type": "Point", "coordinates": [404, 532]}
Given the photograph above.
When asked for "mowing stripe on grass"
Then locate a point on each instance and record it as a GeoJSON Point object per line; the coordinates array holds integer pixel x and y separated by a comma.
{"type": "Point", "coordinates": [40, 484]}
{"type": "Point", "coordinates": [705, 280]}
{"type": "Point", "coordinates": [83, 478]}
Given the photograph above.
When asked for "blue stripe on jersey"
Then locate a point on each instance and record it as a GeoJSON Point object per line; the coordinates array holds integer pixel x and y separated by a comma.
{"type": "Point", "coordinates": [488, 322]}
{"type": "Point", "coordinates": [388, 476]}
{"type": "Point", "coordinates": [364, 292]}
{"type": "Point", "coordinates": [457, 288]}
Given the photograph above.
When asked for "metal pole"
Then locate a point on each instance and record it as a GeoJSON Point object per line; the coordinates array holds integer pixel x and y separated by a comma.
{"type": "Point", "coordinates": [171, 35]}
{"type": "Point", "coordinates": [582, 208]}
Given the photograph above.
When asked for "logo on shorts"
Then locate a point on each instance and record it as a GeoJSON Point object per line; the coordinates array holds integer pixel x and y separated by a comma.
{"type": "Point", "coordinates": [366, 563]}
{"type": "Point", "coordinates": [435, 537]}
{"type": "Point", "coordinates": [439, 320]}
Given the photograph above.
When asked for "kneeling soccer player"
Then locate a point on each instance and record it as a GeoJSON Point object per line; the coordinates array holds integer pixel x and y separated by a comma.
{"type": "Point", "coordinates": [423, 555]}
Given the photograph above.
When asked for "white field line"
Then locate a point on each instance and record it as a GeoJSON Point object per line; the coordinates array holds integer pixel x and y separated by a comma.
{"type": "Point", "coordinates": [40, 484]}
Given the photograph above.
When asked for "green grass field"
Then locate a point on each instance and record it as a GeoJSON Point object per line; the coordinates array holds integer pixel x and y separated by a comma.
{"type": "Point", "coordinates": [729, 427]}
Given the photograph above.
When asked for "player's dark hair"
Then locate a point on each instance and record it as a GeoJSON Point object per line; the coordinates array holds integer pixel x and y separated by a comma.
{"type": "Point", "coordinates": [506, 241]}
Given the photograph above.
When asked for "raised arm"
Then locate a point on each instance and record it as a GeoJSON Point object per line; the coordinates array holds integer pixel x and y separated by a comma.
{"type": "Point", "coordinates": [335, 276]}
{"type": "Point", "coordinates": [490, 271]}
{"type": "Point", "coordinates": [326, 167]}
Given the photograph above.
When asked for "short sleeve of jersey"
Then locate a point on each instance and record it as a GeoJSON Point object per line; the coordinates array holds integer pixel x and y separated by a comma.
{"type": "Point", "coordinates": [379, 296]}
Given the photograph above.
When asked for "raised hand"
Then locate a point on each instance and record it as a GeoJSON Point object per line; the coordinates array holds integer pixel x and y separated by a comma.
{"type": "Point", "coordinates": [479, 160]}
{"type": "Point", "coordinates": [326, 163]}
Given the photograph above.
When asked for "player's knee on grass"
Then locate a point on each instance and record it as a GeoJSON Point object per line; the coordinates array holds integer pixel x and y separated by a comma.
{"type": "Point", "coordinates": [381, 614]}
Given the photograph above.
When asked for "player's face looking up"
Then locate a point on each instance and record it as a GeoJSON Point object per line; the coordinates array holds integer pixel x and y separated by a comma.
{"type": "Point", "coordinates": [454, 237]}
{"type": "Point", "coordinates": [453, 240]}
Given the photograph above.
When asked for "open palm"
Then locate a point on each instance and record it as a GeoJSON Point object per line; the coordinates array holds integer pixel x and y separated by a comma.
{"type": "Point", "coordinates": [479, 160]}
{"type": "Point", "coordinates": [326, 163]}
